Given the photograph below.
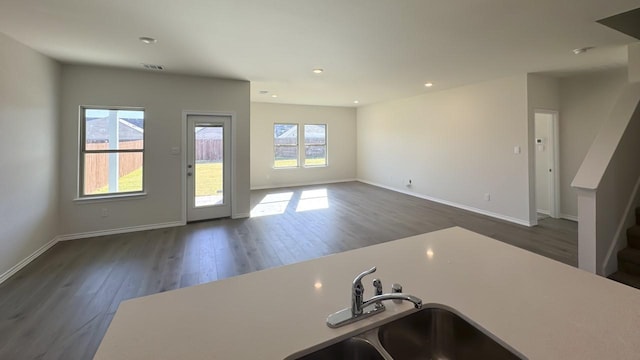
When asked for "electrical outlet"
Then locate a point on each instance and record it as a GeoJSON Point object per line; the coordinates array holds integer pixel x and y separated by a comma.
{"type": "Point", "coordinates": [104, 212]}
{"type": "Point", "coordinates": [487, 197]}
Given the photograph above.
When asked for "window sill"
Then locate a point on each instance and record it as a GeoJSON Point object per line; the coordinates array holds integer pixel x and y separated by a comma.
{"type": "Point", "coordinates": [93, 199]}
{"type": "Point", "coordinates": [300, 167]}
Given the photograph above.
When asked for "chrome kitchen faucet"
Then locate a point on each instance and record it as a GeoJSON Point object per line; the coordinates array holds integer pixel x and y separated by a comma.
{"type": "Point", "coordinates": [360, 308]}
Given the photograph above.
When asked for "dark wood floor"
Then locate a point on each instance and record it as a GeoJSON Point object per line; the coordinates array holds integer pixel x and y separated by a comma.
{"type": "Point", "coordinates": [60, 305]}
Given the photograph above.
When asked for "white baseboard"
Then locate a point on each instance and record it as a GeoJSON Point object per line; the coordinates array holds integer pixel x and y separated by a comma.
{"type": "Point", "coordinates": [561, 216]}
{"type": "Point", "coordinates": [17, 267]}
{"type": "Point", "coordinates": [7, 274]}
{"type": "Point", "coordinates": [456, 205]}
{"type": "Point", "coordinates": [569, 217]}
{"type": "Point", "coordinates": [240, 216]}
{"type": "Point", "coordinates": [263, 187]}
{"type": "Point", "coordinates": [119, 230]}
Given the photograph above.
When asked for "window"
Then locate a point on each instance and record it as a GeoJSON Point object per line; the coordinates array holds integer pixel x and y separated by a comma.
{"type": "Point", "coordinates": [111, 151]}
{"type": "Point", "coordinates": [315, 145]}
{"type": "Point", "coordinates": [285, 145]}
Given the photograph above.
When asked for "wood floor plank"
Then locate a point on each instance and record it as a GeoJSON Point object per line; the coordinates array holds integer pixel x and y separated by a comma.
{"type": "Point", "coordinates": [61, 304]}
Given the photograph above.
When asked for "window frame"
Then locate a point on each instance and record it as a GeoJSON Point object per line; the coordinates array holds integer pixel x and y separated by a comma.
{"type": "Point", "coordinates": [297, 145]}
{"type": "Point", "coordinates": [82, 152]}
{"type": "Point", "coordinates": [326, 147]}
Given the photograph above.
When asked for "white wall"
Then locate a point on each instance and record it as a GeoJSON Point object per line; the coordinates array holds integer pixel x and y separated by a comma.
{"type": "Point", "coordinates": [164, 98]}
{"type": "Point", "coordinates": [615, 195]}
{"type": "Point", "coordinates": [606, 183]}
{"type": "Point", "coordinates": [341, 144]}
{"type": "Point", "coordinates": [585, 104]}
{"type": "Point", "coordinates": [29, 89]}
{"type": "Point", "coordinates": [455, 145]}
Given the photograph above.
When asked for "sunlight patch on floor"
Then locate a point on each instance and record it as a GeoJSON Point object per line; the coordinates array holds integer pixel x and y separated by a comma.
{"type": "Point", "coordinates": [313, 200]}
{"type": "Point", "coordinates": [272, 204]}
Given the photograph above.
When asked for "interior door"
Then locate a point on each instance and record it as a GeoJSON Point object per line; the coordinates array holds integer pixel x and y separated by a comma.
{"type": "Point", "coordinates": [208, 167]}
{"type": "Point", "coordinates": [545, 160]}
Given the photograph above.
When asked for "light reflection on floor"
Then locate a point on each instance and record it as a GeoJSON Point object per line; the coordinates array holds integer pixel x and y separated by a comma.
{"type": "Point", "coordinates": [313, 200]}
{"type": "Point", "coordinates": [272, 204]}
{"type": "Point", "coordinates": [276, 203]}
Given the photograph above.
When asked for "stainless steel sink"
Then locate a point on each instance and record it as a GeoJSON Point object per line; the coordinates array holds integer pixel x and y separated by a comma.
{"type": "Point", "coordinates": [431, 333]}
{"type": "Point", "coordinates": [353, 348]}
{"type": "Point", "coordinates": [436, 333]}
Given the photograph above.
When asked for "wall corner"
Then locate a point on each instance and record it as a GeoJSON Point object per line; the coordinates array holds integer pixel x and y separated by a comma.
{"type": "Point", "coordinates": [634, 62]}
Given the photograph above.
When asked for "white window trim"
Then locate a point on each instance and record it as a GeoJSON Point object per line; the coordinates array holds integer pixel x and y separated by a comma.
{"type": "Point", "coordinates": [326, 147]}
{"type": "Point", "coordinates": [84, 198]}
{"type": "Point", "coordinates": [299, 163]}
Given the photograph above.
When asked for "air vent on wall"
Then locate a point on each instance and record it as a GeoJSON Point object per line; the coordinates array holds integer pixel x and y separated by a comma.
{"type": "Point", "coordinates": [153, 67]}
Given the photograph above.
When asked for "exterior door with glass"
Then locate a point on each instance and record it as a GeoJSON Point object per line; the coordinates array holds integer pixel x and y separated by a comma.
{"type": "Point", "coordinates": [208, 167]}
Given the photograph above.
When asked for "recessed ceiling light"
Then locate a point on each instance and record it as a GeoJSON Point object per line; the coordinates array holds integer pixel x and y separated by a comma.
{"type": "Point", "coordinates": [148, 40]}
{"type": "Point", "coordinates": [356, 102]}
{"type": "Point", "coordinates": [274, 96]}
{"type": "Point", "coordinates": [428, 84]}
{"type": "Point", "coordinates": [318, 71]}
{"type": "Point", "coordinates": [583, 50]}
{"type": "Point", "coordinates": [264, 91]}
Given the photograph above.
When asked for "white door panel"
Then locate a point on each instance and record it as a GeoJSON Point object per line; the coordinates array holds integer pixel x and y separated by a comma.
{"type": "Point", "coordinates": [208, 167]}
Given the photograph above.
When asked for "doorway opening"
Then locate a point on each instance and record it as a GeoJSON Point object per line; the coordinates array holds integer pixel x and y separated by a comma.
{"type": "Point", "coordinates": [207, 167]}
{"type": "Point", "coordinates": [546, 164]}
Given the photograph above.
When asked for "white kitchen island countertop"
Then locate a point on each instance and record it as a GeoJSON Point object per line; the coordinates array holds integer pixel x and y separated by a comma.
{"type": "Point", "coordinates": [541, 308]}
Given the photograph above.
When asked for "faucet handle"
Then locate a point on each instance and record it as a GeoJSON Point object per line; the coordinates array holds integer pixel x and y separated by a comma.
{"type": "Point", "coordinates": [378, 285]}
{"type": "Point", "coordinates": [358, 279]}
{"type": "Point", "coordinates": [396, 288]}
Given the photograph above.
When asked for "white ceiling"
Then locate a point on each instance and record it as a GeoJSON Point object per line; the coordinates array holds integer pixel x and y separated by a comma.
{"type": "Point", "coordinates": [371, 50]}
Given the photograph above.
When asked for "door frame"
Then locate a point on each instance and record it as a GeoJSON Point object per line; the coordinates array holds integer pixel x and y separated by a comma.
{"type": "Point", "coordinates": [184, 161]}
{"type": "Point", "coordinates": [554, 157]}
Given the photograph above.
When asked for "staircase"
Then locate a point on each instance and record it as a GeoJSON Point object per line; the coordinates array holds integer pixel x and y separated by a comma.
{"type": "Point", "coordinates": [629, 258]}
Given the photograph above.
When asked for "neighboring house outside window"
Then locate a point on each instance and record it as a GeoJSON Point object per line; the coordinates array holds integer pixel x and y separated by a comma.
{"type": "Point", "coordinates": [111, 151]}
{"type": "Point", "coordinates": [286, 145]}
{"type": "Point", "coordinates": [315, 145]}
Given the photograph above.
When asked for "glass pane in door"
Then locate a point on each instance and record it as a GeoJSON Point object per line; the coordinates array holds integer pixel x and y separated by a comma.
{"type": "Point", "coordinates": [209, 155]}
